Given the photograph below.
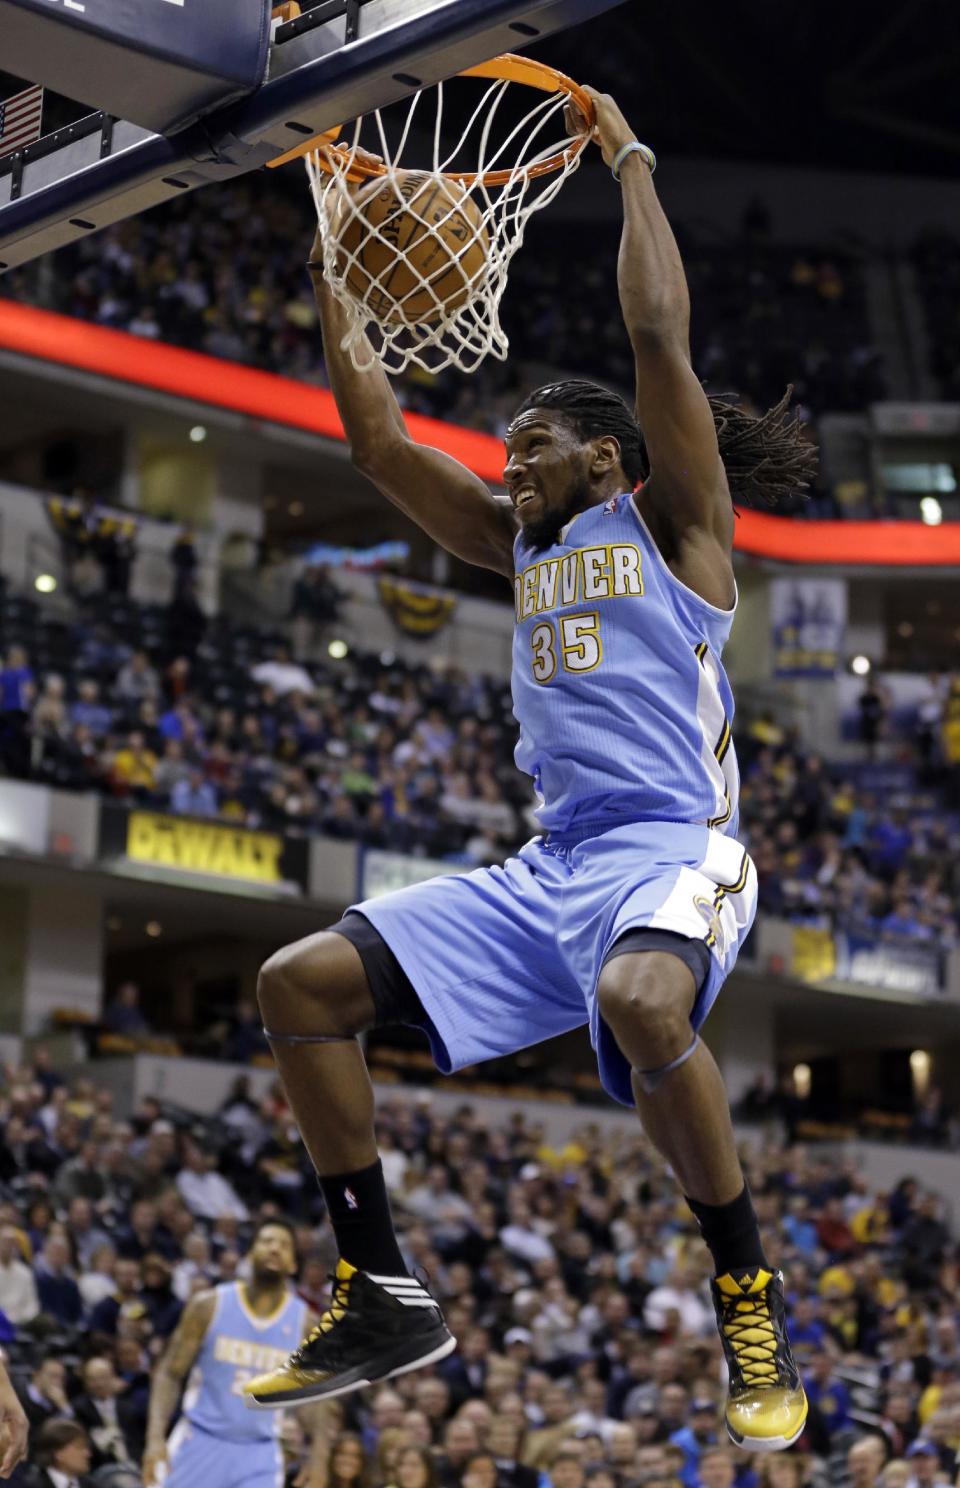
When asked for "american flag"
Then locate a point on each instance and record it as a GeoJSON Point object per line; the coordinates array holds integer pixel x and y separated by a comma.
{"type": "Point", "coordinates": [20, 119]}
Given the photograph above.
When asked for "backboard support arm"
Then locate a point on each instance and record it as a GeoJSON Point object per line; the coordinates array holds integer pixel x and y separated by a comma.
{"type": "Point", "coordinates": [51, 195]}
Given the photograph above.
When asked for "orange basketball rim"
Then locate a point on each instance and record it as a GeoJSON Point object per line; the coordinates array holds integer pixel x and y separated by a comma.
{"type": "Point", "coordinates": [358, 165]}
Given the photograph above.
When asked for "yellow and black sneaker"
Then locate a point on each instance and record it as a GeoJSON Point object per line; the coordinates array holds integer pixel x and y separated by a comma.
{"type": "Point", "coordinates": [374, 1328]}
{"type": "Point", "coordinates": [766, 1408]}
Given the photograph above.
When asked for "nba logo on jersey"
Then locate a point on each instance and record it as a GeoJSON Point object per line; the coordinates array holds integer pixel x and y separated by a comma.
{"type": "Point", "coordinates": [611, 506]}
{"type": "Point", "coordinates": [351, 1198]}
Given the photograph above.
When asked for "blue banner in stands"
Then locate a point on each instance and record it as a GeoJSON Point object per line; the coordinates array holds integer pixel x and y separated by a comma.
{"type": "Point", "coordinates": [896, 963]}
{"type": "Point", "coordinates": [158, 63]}
{"type": "Point", "coordinates": [809, 621]}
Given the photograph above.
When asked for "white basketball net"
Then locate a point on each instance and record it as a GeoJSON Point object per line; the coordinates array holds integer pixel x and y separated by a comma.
{"type": "Point", "coordinates": [457, 337]}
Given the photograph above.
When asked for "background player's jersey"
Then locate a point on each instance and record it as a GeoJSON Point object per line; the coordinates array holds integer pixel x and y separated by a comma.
{"type": "Point", "coordinates": [239, 1345]}
{"type": "Point", "coordinates": [623, 705]}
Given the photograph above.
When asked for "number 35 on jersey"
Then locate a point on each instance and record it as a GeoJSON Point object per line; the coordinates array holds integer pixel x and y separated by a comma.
{"type": "Point", "coordinates": [573, 643]}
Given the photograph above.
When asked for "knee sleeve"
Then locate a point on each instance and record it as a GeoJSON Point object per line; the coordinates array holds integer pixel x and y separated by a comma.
{"type": "Point", "coordinates": [651, 1079]}
{"type": "Point", "coordinates": [310, 1038]}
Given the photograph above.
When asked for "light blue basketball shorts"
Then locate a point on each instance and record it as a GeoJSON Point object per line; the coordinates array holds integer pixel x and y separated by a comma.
{"type": "Point", "coordinates": [198, 1459]}
{"type": "Point", "coordinates": [503, 958]}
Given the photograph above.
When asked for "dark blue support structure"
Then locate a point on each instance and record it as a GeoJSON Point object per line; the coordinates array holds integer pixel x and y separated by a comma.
{"type": "Point", "coordinates": [104, 170]}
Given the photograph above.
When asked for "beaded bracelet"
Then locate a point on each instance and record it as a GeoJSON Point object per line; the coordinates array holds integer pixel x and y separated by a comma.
{"type": "Point", "coordinates": [628, 149]}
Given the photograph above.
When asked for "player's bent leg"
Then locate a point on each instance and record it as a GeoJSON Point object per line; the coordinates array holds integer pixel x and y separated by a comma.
{"type": "Point", "coordinates": [315, 997]}
{"type": "Point", "coordinates": [317, 985]}
{"type": "Point", "coordinates": [646, 998]}
{"type": "Point", "coordinates": [317, 989]}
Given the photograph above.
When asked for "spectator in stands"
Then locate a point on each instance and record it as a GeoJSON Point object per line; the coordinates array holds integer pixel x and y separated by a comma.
{"type": "Point", "coordinates": [97, 1281]}
{"type": "Point", "coordinates": [115, 1425]}
{"type": "Point", "coordinates": [890, 841]}
{"type": "Point", "coordinates": [135, 768]}
{"type": "Point", "coordinates": [245, 1037]}
{"type": "Point", "coordinates": [184, 561]}
{"type": "Point", "coordinates": [124, 1014]}
{"type": "Point", "coordinates": [347, 1465]}
{"type": "Point", "coordinates": [80, 1175]}
{"type": "Point", "coordinates": [56, 1285]}
{"type": "Point", "coordinates": [50, 717]}
{"type": "Point", "coordinates": [865, 1461]}
{"type": "Point", "coordinates": [924, 1460]}
{"type": "Point", "coordinates": [117, 552]}
{"type": "Point", "coordinates": [520, 1237]}
{"type": "Point", "coordinates": [924, 1240]}
{"type": "Point", "coordinates": [873, 704]}
{"type": "Point", "coordinates": [566, 1471]}
{"type": "Point", "coordinates": [126, 1290]}
{"type": "Point", "coordinates": [17, 687]}
{"type": "Point", "coordinates": [826, 1393]}
{"type": "Point", "coordinates": [86, 1236]}
{"type": "Point", "coordinates": [833, 1231]}
{"type": "Point", "coordinates": [61, 1455]}
{"type": "Point", "coordinates": [436, 1200]}
{"type": "Point", "coordinates": [194, 796]}
{"type": "Point", "coordinates": [89, 712]}
{"type": "Point", "coordinates": [717, 1470]}
{"type": "Point", "coordinates": [460, 1444]}
{"type": "Point", "coordinates": [677, 1305]}
{"type": "Point", "coordinates": [696, 1437]}
{"type": "Point", "coordinates": [163, 1306]}
{"type": "Point", "coordinates": [206, 1192]}
{"type": "Point", "coordinates": [44, 1396]}
{"type": "Point", "coordinates": [181, 722]}
{"type": "Point", "coordinates": [17, 692]}
{"type": "Point", "coordinates": [137, 680]}
{"type": "Point", "coordinates": [415, 1468]}
{"type": "Point", "coordinates": [314, 604]}
{"type": "Point", "coordinates": [172, 768]}
{"type": "Point", "coordinates": [18, 1289]}
{"type": "Point", "coordinates": [930, 1124]}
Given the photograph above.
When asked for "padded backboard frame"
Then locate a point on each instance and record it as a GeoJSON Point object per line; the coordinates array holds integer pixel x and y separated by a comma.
{"type": "Point", "coordinates": [340, 59]}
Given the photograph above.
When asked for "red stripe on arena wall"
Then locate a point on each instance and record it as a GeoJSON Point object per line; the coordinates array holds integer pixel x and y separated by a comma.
{"type": "Point", "coordinates": [282, 400]}
{"type": "Point", "coordinates": [207, 379]}
{"type": "Point", "coordinates": [905, 544]}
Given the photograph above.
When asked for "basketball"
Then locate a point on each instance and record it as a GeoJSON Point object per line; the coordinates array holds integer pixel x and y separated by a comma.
{"type": "Point", "coordinates": [413, 249]}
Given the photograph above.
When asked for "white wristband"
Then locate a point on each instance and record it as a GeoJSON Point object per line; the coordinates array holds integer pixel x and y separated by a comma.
{"type": "Point", "coordinates": [630, 148]}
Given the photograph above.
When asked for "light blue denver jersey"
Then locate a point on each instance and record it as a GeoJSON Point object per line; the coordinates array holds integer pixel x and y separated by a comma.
{"type": "Point", "coordinates": [623, 705]}
{"type": "Point", "coordinates": [239, 1345]}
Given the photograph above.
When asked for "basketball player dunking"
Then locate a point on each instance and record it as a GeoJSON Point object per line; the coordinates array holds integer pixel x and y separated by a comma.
{"type": "Point", "coordinates": [628, 912]}
{"type": "Point", "coordinates": [225, 1337]}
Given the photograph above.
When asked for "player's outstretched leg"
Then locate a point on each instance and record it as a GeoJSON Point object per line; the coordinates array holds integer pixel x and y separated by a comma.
{"type": "Point", "coordinates": [315, 998]}
{"type": "Point", "coordinates": [646, 999]}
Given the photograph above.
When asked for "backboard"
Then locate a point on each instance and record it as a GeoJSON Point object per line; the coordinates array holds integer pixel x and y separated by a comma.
{"type": "Point", "coordinates": [337, 60]}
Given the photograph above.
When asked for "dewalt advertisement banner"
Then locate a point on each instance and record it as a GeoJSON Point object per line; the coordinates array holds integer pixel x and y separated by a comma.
{"type": "Point", "coordinates": [187, 846]}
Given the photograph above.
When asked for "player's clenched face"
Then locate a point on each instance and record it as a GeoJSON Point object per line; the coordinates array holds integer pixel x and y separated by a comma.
{"type": "Point", "coordinates": [273, 1252]}
{"type": "Point", "coordinates": [547, 475]}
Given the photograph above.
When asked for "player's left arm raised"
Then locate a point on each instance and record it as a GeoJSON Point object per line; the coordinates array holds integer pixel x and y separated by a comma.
{"type": "Point", "coordinates": [688, 485]}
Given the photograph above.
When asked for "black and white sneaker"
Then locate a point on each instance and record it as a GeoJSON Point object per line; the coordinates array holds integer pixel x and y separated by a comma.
{"type": "Point", "coordinates": [374, 1328]}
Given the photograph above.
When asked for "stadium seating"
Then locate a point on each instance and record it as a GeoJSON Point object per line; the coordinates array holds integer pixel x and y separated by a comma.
{"type": "Point", "coordinates": [581, 1311]}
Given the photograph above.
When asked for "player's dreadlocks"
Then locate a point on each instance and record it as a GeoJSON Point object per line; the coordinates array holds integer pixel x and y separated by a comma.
{"type": "Point", "coordinates": [766, 457]}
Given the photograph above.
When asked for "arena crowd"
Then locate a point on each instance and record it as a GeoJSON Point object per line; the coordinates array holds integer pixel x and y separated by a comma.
{"type": "Point", "coordinates": [572, 1275]}
{"type": "Point", "coordinates": [204, 272]}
